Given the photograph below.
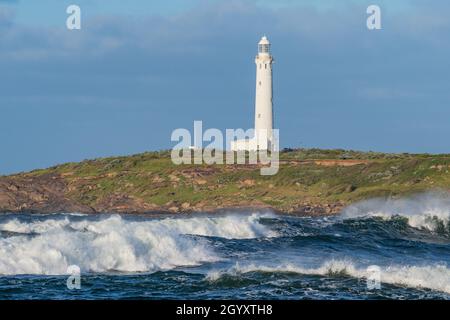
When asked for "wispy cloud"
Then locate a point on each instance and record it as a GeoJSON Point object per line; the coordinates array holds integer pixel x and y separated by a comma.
{"type": "Point", "coordinates": [163, 71]}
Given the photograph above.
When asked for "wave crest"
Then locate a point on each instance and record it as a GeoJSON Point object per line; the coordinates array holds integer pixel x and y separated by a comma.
{"type": "Point", "coordinates": [427, 211]}
{"type": "Point", "coordinates": [434, 277]}
{"type": "Point", "coordinates": [116, 244]}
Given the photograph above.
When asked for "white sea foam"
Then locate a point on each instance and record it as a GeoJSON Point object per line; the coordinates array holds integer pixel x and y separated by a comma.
{"type": "Point", "coordinates": [435, 277]}
{"type": "Point", "coordinates": [117, 244]}
{"type": "Point", "coordinates": [427, 211]}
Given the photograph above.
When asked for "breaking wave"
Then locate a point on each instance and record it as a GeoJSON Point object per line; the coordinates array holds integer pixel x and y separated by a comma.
{"type": "Point", "coordinates": [48, 246]}
{"type": "Point", "coordinates": [426, 211]}
{"type": "Point", "coordinates": [434, 277]}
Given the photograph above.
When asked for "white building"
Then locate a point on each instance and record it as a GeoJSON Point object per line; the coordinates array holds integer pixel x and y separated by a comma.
{"type": "Point", "coordinates": [262, 139]}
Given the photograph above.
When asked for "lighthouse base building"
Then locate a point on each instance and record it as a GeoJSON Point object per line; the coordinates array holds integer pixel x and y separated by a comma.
{"type": "Point", "coordinates": [263, 132]}
{"type": "Point", "coordinates": [245, 144]}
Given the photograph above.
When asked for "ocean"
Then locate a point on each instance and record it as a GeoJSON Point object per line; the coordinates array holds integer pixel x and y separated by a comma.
{"type": "Point", "coordinates": [373, 250]}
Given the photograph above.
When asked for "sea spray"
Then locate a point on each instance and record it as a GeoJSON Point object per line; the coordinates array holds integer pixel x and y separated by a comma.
{"type": "Point", "coordinates": [429, 211]}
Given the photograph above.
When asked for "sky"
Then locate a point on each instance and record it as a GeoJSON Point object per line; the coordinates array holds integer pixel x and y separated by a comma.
{"type": "Point", "coordinates": [137, 70]}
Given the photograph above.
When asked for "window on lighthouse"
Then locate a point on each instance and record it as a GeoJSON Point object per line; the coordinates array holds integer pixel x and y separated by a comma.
{"type": "Point", "coordinates": [264, 48]}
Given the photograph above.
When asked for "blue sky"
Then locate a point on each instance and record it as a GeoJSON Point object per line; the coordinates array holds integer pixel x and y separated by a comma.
{"type": "Point", "coordinates": [139, 69]}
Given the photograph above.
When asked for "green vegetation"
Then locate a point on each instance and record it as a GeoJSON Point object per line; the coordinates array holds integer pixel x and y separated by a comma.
{"type": "Point", "coordinates": [306, 177]}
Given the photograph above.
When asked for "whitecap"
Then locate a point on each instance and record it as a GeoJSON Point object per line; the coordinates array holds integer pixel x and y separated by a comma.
{"type": "Point", "coordinates": [119, 244]}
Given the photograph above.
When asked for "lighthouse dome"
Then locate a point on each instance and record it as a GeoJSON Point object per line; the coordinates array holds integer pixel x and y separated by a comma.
{"type": "Point", "coordinates": [264, 40]}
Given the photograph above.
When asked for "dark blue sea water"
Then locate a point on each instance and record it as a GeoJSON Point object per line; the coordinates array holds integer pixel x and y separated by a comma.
{"type": "Point", "coordinates": [245, 255]}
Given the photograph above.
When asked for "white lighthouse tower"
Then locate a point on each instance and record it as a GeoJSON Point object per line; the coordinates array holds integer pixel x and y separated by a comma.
{"type": "Point", "coordinates": [263, 103]}
{"type": "Point", "coordinates": [263, 97]}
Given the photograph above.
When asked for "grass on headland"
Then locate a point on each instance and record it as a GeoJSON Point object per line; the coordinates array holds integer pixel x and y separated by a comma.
{"type": "Point", "coordinates": [306, 176]}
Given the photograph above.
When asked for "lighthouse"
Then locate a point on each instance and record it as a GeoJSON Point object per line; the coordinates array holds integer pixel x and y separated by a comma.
{"type": "Point", "coordinates": [263, 97]}
{"type": "Point", "coordinates": [263, 133]}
